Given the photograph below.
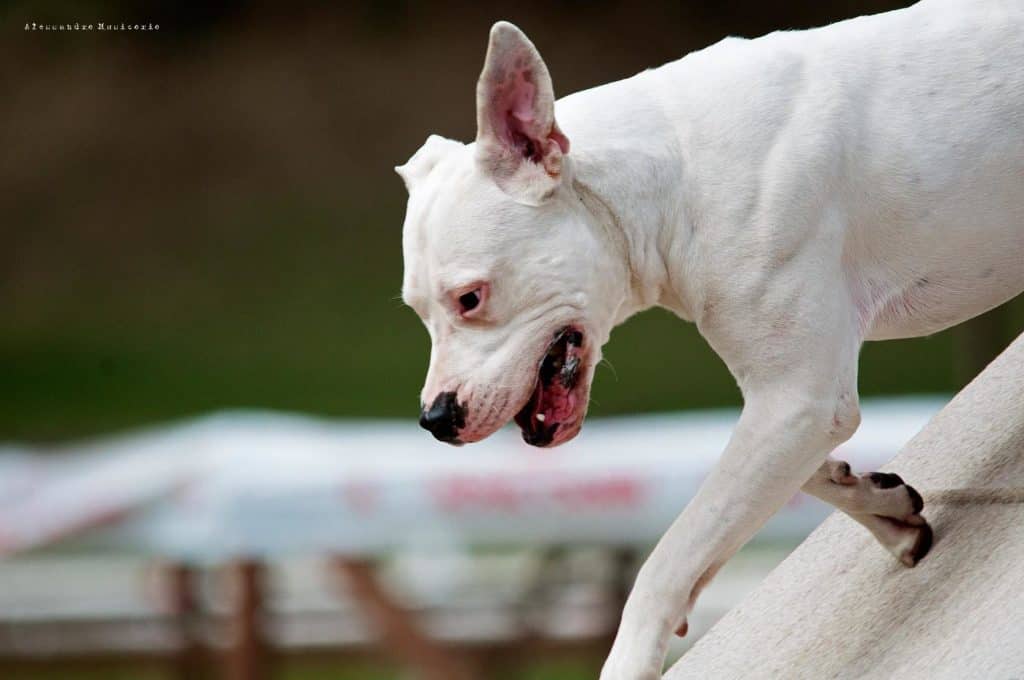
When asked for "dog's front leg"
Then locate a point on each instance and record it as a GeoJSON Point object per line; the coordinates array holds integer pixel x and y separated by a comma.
{"type": "Point", "coordinates": [784, 433]}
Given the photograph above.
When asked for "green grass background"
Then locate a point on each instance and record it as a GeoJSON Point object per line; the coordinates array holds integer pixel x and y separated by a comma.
{"type": "Point", "coordinates": [302, 315]}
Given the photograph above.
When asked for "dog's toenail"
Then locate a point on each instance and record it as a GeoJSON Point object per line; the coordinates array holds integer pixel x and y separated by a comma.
{"type": "Point", "coordinates": [922, 546]}
{"type": "Point", "coordinates": [915, 500]}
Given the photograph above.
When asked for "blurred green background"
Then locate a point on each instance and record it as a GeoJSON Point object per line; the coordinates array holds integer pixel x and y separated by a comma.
{"type": "Point", "coordinates": [206, 216]}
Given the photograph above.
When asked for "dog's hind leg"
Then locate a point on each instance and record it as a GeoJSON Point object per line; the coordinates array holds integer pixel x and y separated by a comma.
{"type": "Point", "coordinates": [882, 502]}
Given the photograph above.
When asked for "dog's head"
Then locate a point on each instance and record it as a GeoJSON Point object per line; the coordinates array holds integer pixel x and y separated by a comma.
{"type": "Point", "coordinates": [504, 265]}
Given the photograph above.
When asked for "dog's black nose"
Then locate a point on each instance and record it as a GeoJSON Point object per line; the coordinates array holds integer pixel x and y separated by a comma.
{"type": "Point", "coordinates": [444, 418]}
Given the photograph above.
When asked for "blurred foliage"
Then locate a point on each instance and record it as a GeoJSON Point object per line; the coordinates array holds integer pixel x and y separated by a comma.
{"type": "Point", "coordinates": [208, 217]}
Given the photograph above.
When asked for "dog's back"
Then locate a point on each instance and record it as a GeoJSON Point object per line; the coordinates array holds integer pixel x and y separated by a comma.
{"type": "Point", "coordinates": [904, 131]}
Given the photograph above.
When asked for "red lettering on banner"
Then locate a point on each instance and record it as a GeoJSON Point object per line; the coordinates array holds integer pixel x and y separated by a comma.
{"type": "Point", "coordinates": [515, 494]}
{"type": "Point", "coordinates": [461, 493]}
{"type": "Point", "coordinates": [600, 493]}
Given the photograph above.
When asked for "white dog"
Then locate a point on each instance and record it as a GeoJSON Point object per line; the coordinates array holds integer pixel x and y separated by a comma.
{"type": "Point", "coordinates": [793, 195]}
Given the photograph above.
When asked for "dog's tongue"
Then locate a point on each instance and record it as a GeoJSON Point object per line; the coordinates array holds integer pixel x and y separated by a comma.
{"type": "Point", "coordinates": [555, 403]}
{"type": "Point", "coordinates": [553, 400]}
{"type": "Point", "coordinates": [537, 420]}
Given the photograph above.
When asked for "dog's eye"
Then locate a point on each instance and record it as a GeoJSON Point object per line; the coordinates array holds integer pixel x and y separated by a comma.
{"type": "Point", "coordinates": [469, 301]}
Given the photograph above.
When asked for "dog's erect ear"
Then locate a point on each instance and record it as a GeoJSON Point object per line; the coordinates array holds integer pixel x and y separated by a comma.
{"type": "Point", "coordinates": [423, 161]}
{"type": "Point", "coordinates": [518, 142]}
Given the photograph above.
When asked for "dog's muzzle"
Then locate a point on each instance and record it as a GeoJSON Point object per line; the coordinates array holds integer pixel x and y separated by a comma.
{"type": "Point", "coordinates": [444, 418]}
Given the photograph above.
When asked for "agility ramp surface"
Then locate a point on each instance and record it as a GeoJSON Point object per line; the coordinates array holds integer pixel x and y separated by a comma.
{"type": "Point", "coordinates": [841, 607]}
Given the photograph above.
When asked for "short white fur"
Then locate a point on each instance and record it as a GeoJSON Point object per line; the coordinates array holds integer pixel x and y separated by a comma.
{"type": "Point", "coordinates": [794, 195]}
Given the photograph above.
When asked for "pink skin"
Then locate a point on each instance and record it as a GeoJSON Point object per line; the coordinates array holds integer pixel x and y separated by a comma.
{"type": "Point", "coordinates": [514, 117]}
{"type": "Point", "coordinates": [567, 430]}
{"type": "Point", "coordinates": [555, 404]}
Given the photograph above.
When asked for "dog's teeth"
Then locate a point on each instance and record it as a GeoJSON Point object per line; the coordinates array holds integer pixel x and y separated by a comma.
{"type": "Point", "coordinates": [541, 417]}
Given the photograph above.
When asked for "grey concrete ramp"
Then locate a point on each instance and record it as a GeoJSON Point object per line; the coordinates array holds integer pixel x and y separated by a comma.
{"type": "Point", "coordinates": [841, 607]}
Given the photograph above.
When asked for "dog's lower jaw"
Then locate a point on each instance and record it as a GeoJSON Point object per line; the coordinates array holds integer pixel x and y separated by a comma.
{"type": "Point", "coordinates": [564, 432]}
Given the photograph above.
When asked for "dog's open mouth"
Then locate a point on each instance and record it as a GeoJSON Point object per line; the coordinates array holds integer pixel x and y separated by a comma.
{"type": "Point", "coordinates": [553, 403]}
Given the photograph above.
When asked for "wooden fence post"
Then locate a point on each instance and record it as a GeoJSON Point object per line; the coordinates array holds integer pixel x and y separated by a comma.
{"type": "Point", "coordinates": [189, 660]}
{"type": "Point", "coordinates": [403, 638]}
{"type": "Point", "coordinates": [248, 656]}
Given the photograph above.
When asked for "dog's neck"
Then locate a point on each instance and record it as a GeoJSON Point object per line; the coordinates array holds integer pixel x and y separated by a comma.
{"type": "Point", "coordinates": [628, 172]}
